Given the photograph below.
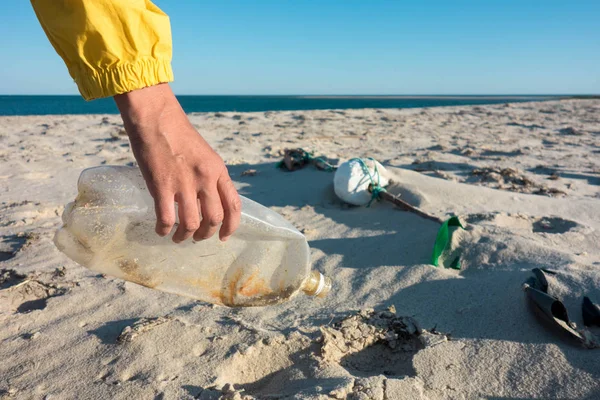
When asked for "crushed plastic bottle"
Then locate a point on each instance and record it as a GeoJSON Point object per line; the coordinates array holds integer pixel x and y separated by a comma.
{"type": "Point", "coordinates": [109, 228]}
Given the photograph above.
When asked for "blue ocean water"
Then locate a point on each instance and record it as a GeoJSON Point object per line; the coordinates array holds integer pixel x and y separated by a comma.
{"type": "Point", "coordinates": [49, 105]}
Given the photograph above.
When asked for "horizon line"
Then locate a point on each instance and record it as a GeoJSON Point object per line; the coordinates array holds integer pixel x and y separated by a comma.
{"type": "Point", "coordinates": [354, 95]}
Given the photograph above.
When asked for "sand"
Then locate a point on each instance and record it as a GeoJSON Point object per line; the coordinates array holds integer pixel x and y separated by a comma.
{"type": "Point", "coordinates": [524, 176]}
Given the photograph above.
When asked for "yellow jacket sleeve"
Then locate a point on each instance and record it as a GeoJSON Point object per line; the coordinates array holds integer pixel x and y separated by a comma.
{"type": "Point", "coordinates": [109, 46]}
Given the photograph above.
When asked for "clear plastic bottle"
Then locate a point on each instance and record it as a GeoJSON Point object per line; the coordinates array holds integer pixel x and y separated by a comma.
{"type": "Point", "coordinates": [109, 228]}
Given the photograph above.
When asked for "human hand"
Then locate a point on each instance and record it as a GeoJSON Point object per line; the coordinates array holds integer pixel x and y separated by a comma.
{"type": "Point", "coordinates": [178, 166]}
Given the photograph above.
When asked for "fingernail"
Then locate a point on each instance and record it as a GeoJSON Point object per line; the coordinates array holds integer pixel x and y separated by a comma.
{"type": "Point", "coordinates": [224, 239]}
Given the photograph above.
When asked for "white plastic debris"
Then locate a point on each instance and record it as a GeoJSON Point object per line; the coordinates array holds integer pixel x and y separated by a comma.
{"type": "Point", "coordinates": [351, 182]}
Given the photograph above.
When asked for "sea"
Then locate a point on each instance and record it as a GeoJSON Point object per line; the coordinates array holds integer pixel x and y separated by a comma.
{"type": "Point", "coordinates": [57, 105]}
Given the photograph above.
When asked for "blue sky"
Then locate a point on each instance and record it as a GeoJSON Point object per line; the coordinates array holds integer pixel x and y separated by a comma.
{"type": "Point", "coordinates": [347, 47]}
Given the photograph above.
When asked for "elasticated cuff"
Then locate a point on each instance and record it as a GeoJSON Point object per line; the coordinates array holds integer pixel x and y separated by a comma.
{"type": "Point", "coordinates": [123, 78]}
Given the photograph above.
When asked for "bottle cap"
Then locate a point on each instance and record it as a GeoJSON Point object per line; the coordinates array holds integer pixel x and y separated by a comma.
{"type": "Point", "coordinates": [317, 285]}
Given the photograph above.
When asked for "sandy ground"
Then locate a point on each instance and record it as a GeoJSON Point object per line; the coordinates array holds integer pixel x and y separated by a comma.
{"type": "Point", "coordinates": [524, 176]}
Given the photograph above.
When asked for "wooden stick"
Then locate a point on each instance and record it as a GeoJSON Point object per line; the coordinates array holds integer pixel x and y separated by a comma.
{"type": "Point", "coordinates": [387, 196]}
{"type": "Point", "coordinates": [23, 282]}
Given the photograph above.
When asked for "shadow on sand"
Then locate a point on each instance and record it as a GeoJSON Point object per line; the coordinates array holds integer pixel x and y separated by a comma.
{"type": "Point", "coordinates": [497, 291]}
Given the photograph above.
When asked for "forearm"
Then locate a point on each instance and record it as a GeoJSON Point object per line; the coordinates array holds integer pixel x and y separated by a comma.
{"type": "Point", "coordinates": [144, 107]}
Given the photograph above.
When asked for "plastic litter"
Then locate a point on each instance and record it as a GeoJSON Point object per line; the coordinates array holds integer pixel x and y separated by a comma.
{"type": "Point", "coordinates": [109, 228]}
{"type": "Point", "coordinates": [443, 243]}
{"type": "Point", "coordinates": [294, 159]}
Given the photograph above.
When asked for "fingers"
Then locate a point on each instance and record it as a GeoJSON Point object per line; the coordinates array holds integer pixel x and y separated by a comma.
{"type": "Point", "coordinates": [232, 207]}
{"type": "Point", "coordinates": [212, 213]}
{"type": "Point", "coordinates": [220, 206]}
{"type": "Point", "coordinates": [189, 216]}
{"type": "Point", "coordinates": [164, 207]}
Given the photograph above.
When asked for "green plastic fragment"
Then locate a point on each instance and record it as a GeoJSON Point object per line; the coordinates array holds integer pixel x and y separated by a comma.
{"type": "Point", "coordinates": [442, 241]}
{"type": "Point", "coordinates": [455, 264]}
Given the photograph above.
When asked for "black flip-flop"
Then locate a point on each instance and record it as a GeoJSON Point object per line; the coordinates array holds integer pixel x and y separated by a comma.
{"type": "Point", "coordinates": [591, 312]}
{"type": "Point", "coordinates": [553, 310]}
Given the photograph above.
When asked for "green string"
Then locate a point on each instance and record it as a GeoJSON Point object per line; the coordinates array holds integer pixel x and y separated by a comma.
{"type": "Point", "coordinates": [376, 188]}
{"type": "Point", "coordinates": [307, 157]}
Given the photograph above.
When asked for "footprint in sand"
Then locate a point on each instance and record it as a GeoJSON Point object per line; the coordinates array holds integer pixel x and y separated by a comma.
{"type": "Point", "coordinates": [27, 213]}
{"type": "Point", "coordinates": [365, 345]}
{"type": "Point", "coordinates": [10, 245]}
{"type": "Point", "coordinates": [376, 343]}
{"type": "Point", "coordinates": [501, 240]}
{"type": "Point", "coordinates": [289, 361]}
{"type": "Point", "coordinates": [554, 225]}
{"type": "Point", "coordinates": [22, 294]}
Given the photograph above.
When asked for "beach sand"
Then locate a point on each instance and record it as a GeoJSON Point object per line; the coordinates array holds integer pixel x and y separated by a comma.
{"type": "Point", "coordinates": [524, 176]}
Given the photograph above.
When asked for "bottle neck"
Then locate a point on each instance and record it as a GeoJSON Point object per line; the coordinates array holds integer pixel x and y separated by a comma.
{"type": "Point", "coordinates": [316, 285]}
